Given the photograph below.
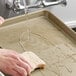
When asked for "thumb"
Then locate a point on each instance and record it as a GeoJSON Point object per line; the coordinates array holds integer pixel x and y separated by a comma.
{"type": "Point", "coordinates": [1, 20]}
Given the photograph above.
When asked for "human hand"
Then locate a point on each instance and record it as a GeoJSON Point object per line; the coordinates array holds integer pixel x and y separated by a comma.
{"type": "Point", "coordinates": [1, 20]}
{"type": "Point", "coordinates": [13, 64]}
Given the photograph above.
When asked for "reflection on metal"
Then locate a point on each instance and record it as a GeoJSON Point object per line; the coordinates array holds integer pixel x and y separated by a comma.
{"type": "Point", "coordinates": [71, 24]}
{"type": "Point", "coordinates": [44, 3]}
{"type": "Point", "coordinates": [54, 2]}
{"type": "Point", "coordinates": [17, 6]}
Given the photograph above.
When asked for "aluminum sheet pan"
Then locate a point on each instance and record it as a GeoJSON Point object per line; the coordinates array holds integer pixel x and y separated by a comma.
{"type": "Point", "coordinates": [45, 35]}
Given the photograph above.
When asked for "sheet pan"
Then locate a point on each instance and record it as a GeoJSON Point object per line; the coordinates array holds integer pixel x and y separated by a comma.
{"type": "Point", "coordinates": [45, 35]}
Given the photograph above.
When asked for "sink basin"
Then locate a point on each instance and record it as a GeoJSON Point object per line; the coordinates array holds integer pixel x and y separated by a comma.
{"type": "Point", "coordinates": [71, 24]}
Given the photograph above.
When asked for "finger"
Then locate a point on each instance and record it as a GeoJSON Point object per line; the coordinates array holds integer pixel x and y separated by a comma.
{"type": "Point", "coordinates": [25, 66]}
{"type": "Point", "coordinates": [9, 53]}
{"type": "Point", "coordinates": [12, 56]}
{"type": "Point", "coordinates": [22, 64]}
{"type": "Point", "coordinates": [14, 73]}
{"type": "Point", "coordinates": [20, 70]}
{"type": "Point", "coordinates": [25, 61]}
{"type": "Point", "coordinates": [1, 20]}
{"type": "Point", "coordinates": [10, 72]}
{"type": "Point", "coordinates": [6, 51]}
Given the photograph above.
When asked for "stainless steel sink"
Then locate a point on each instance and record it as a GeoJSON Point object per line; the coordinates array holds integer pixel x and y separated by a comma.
{"type": "Point", "coordinates": [71, 24]}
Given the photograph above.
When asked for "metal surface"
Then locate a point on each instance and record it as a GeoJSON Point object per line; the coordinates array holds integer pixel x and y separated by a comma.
{"type": "Point", "coordinates": [46, 4]}
{"type": "Point", "coordinates": [14, 5]}
{"type": "Point", "coordinates": [17, 6]}
{"type": "Point", "coordinates": [71, 24]}
{"type": "Point", "coordinates": [67, 13]}
{"type": "Point", "coordinates": [43, 3]}
{"type": "Point", "coordinates": [45, 35]}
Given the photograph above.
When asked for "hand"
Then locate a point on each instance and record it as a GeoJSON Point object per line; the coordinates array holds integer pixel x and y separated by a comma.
{"type": "Point", "coordinates": [13, 64]}
{"type": "Point", "coordinates": [1, 20]}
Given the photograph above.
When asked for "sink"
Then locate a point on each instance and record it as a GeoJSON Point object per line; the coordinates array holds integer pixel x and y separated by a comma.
{"type": "Point", "coordinates": [74, 29]}
{"type": "Point", "coordinates": [71, 24]}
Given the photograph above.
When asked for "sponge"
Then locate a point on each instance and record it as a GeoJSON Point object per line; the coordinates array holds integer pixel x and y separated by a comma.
{"type": "Point", "coordinates": [33, 60]}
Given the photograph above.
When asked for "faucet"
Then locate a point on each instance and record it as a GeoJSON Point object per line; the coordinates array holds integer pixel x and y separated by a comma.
{"type": "Point", "coordinates": [17, 6]}
{"type": "Point", "coordinates": [64, 2]}
{"type": "Point", "coordinates": [43, 3]}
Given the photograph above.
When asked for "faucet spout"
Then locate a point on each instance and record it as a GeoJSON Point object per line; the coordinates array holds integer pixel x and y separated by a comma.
{"type": "Point", "coordinates": [43, 3]}
{"type": "Point", "coordinates": [64, 2]}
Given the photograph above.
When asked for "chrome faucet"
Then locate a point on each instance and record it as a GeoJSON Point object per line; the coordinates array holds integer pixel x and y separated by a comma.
{"type": "Point", "coordinates": [43, 3]}
{"type": "Point", "coordinates": [64, 2]}
{"type": "Point", "coordinates": [17, 6]}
